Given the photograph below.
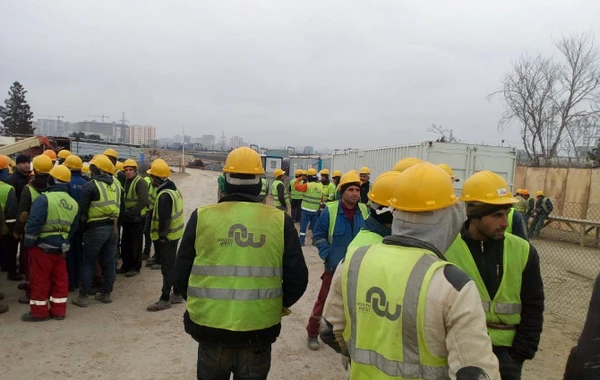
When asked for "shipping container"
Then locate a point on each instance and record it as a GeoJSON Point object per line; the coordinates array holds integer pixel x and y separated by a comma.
{"type": "Point", "coordinates": [308, 162]}
{"type": "Point", "coordinates": [464, 159]}
{"type": "Point", "coordinates": [88, 148]}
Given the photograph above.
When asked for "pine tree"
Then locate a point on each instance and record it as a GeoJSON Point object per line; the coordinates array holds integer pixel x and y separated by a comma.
{"type": "Point", "coordinates": [16, 115]}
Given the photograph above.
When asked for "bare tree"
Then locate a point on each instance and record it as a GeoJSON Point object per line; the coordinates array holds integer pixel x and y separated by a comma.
{"type": "Point", "coordinates": [446, 135]}
{"type": "Point", "coordinates": [555, 103]}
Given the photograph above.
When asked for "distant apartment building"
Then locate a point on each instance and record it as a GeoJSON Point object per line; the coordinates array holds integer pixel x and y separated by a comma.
{"type": "Point", "coordinates": [208, 142]}
{"type": "Point", "coordinates": [308, 150]}
{"type": "Point", "coordinates": [142, 134]}
{"type": "Point", "coordinates": [106, 131]}
{"type": "Point", "coordinates": [236, 142]}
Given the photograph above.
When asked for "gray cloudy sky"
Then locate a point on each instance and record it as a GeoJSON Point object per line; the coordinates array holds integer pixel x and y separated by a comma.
{"type": "Point", "coordinates": [331, 74]}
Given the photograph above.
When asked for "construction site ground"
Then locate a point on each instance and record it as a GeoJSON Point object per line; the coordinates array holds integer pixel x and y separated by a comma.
{"type": "Point", "coordinates": [122, 340]}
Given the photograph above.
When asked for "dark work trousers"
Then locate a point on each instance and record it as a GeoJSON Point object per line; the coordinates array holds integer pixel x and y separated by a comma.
{"type": "Point", "coordinates": [8, 249]}
{"type": "Point", "coordinates": [74, 258]}
{"type": "Point", "coordinates": [131, 245]}
{"type": "Point", "coordinates": [218, 363]}
{"type": "Point", "coordinates": [315, 317]}
{"type": "Point", "coordinates": [167, 252]}
{"type": "Point", "coordinates": [23, 259]}
{"type": "Point", "coordinates": [99, 244]}
{"type": "Point", "coordinates": [509, 368]}
{"type": "Point", "coordinates": [296, 209]}
{"type": "Point", "coordinates": [147, 239]}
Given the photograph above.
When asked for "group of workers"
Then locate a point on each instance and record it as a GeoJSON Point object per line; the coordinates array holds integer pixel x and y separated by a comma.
{"type": "Point", "coordinates": [68, 218]}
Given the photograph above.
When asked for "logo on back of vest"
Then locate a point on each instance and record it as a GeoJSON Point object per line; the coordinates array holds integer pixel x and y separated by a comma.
{"type": "Point", "coordinates": [66, 204]}
{"type": "Point", "coordinates": [239, 233]}
{"type": "Point", "coordinates": [377, 301]}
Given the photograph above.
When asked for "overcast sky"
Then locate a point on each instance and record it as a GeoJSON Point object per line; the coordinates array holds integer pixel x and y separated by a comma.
{"type": "Point", "coordinates": [332, 74]}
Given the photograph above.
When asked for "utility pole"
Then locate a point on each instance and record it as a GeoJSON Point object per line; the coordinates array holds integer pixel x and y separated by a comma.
{"type": "Point", "coordinates": [223, 141]}
{"type": "Point", "coordinates": [122, 129]}
{"type": "Point", "coordinates": [58, 123]}
{"type": "Point", "coordinates": [182, 170]}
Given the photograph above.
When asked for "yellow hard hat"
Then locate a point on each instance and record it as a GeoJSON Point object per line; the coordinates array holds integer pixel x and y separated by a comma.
{"type": "Point", "coordinates": [130, 163]}
{"type": "Point", "coordinates": [85, 168]}
{"type": "Point", "coordinates": [423, 187]}
{"type": "Point", "coordinates": [383, 188]}
{"type": "Point", "coordinates": [73, 162]}
{"type": "Point", "coordinates": [3, 162]}
{"type": "Point", "coordinates": [160, 169]}
{"type": "Point", "coordinates": [519, 192]}
{"type": "Point", "coordinates": [347, 178]}
{"type": "Point", "coordinates": [447, 169]}
{"type": "Point", "coordinates": [365, 170]}
{"type": "Point", "coordinates": [406, 163]}
{"type": "Point", "coordinates": [11, 163]}
{"type": "Point", "coordinates": [61, 173]}
{"type": "Point", "coordinates": [50, 153]}
{"type": "Point", "coordinates": [487, 187]}
{"type": "Point", "coordinates": [244, 161]}
{"type": "Point", "coordinates": [103, 163]}
{"type": "Point", "coordinates": [64, 154]}
{"type": "Point", "coordinates": [311, 171]}
{"type": "Point", "coordinates": [539, 193]}
{"type": "Point", "coordinates": [337, 173]}
{"type": "Point", "coordinates": [111, 153]}
{"type": "Point", "coordinates": [324, 172]}
{"type": "Point", "coordinates": [353, 171]}
{"type": "Point", "coordinates": [297, 172]}
{"type": "Point", "coordinates": [42, 164]}
{"type": "Point", "coordinates": [278, 172]}
{"type": "Point", "coordinates": [304, 172]}
{"type": "Point", "coordinates": [159, 160]}
{"type": "Point", "coordinates": [119, 165]}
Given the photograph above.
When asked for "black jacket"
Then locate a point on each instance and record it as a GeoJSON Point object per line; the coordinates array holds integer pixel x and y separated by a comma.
{"type": "Point", "coordinates": [281, 194]}
{"type": "Point", "coordinates": [164, 205]}
{"type": "Point", "coordinates": [18, 180]}
{"type": "Point", "coordinates": [40, 183]}
{"type": "Point", "coordinates": [488, 256]}
{"type": "Point", "coordinates": [294, 282]}
{"type": "Point", "coordinates": [89, 193]}
{"type": "Point", "coordinates": [584, 360]}
{"type": "Point", "coordinates": [364, 192]}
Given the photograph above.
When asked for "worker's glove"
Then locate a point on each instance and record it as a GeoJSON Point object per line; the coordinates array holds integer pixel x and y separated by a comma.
{"type": "Point", "coordinates": [345, 362]}
{"type": "Point", "coordinates": [285, 311]}
{"type": "Point", "coordinates": [65, 249]}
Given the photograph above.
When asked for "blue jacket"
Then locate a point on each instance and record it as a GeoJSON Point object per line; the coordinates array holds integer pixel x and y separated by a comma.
{"type": "Point", "coordinates": [374, 226]}
{"type": "Point", "coordinates": [343, 234]}
{"type": "Point", "coordinates": [37, 219]}
{"type": "Point", "coordinates": [76, 184]}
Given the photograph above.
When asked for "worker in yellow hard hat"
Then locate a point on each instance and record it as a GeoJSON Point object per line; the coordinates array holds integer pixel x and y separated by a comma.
{"type": "Point", "coordinates": [406, 163]}
{"type": "Point", "coordinates": [52, 154]}
{"type": "Point", "coordinates": [530, 207]}
{"type": "Point", "coordinates": [543, 208]}
{"type": "Point", "coordinates": [100, 207]}
{"type": "Point", "coordinates": [241, 267]}
{"type": "Point", "coordinates": [117, 173]}
{"type": "Point", "coordinates": [62, 155]}
{"type": "Point", "coordinates": [161, 168]}
{"type": "Point", "coordinates": [281, 198]}
{"type": "Point", "coordinates": [49, 230]}
{"type": "Point", "coordinates": [448, 170]}
{"type": "Point", "coordinates": [312, 197]}
{"type": "Point", "coordinates": [405, 281]}
{"type": "Point", "coordinates": [9, 206]}
{"type": "Point", "coordinates": [296, 196]}
{"type": "Point", "coordinates": [335, 177]}
{"type": "Point", "coordinates": [329, 188]}
{"type": "Point", "coordinates": [365, 187]}
{"type": "Point", "coordinates": [505, 268]}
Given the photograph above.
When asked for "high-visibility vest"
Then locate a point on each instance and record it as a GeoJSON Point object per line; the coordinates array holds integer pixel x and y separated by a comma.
{"type": "Point", "coordinates": [384, 289]}
{"type": "Point", "coordinates": [329, 192]}
{"type": "Point", "coordinates": [264, 187]}
{"type": "Point", "coordinates": [509, 220]}
{"type": "Point", "coordinates": [108, 205]}
{"type": "Point", "coordinates": [311, 198]}
{"type": "Point", "coordinates": [544, 204]}
{"type": "Point", "coordinates": [5, 189]}
{"type": "Point", "coordinates": [177, 221]}
{"type": "Point", "coordinates": [151, 194]}
{"type": "Point", "coordinates": [62, 211]}
{"type": "Point", "coordinates": [235, 283]}
{"type": "Point", "coordinates": [132, 197]}
{"type": "Point", "coordinates": [275, 193]}
{"type": "Point", "coordinates": [522, 205]}
{"type": "Point", "coordinates": [295, 193]}
{"type": "Point", "coordinates": [34, 193]}
{"type": "Point", "coordinates": [333, 212]}
{"type": "Point", "coordinates": [364, 238]}
{"type": "Point", "coordinates": [505, 308]}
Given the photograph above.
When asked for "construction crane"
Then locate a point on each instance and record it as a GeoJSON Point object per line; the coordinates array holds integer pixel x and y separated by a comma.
{"type": "Point", "coordinates": [102, 117]}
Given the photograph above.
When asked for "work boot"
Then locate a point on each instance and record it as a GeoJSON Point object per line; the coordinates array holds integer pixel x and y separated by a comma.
{"type": "Point", "coordinates": [132, 273]}
{"type": "Point", "coordinates": [122, 270]}
{"type": "Point", "coordinates": [176, 298]}
{"type": "Point", "coordinates": [3, 309]}
{"type": "Point", "coordinates": [14, 277]}
{"type": "Point", "coordinates": [57, 317]}
{"type": "Point", "coordinates": [151, 261]}
{"type": "Point", "coordinates": [24, 299]}
{"type": "Point", "coordinates": [145, 255]}
{"type": "Point", "coordinates": [312, 343]}
{"type": "Point", "coordinates": [27, 317]}
{"type": "Point", "coordinates": [155, 266]}
{"type": "Point", "coordinates": [23, 286]}
{"type": "Point", "coordinates": [160, 305]}
{"type": "Point", "coordinates": [103, 297]}
{"type": "Point", "coordinates": [81, 301]}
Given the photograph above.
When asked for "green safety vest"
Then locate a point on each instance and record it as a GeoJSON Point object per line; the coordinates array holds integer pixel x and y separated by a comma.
{"type": "Point", "coordinates": [364, 238]}
{"type": "Point", "coordinates": [108, 205]}
{"type": "Point", "coordinates": [5, 189]}
{"type": "Point", "coordinates": [333, 212]}
{"type": "Point", "coordinates": [544, 205]}
{"type": "Point", "coordinates": [276, 194]}
{"type": "Point", "coordinates": [132, 197]}
{"type": "Point", "coordinates": [505, 308]}
{"type": "Point", "coordinates": [235, 283]}
{"type": "Point", "coordinates": [329, 192]}
{"type": "Point", "coordinates": [264, 187]}
{"type": "Point", "coordinates": [509, 219]}
{"type": "Point", "coordinates": [151, 194]}
{"type": "Point", "coordinates": [34, 193]}
{"type": "Point", "coordinates": [221, 189]}
{"type": "Point", "coordinates": [62, 211]}
{"type": "Point", "coordinates": [522, 205]}
{"type": "Point", "coordinates": [177, 221]}
{"type": "Point", "coordinates": [384, 290]}
{"type": "Point", "coordinates": [295, 193]}
{"type": "Point", "coordinates": [311, 198]}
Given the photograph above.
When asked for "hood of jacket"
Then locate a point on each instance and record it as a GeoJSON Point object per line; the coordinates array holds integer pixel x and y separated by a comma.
{"type": "Point", "coordinates": [104, 178]}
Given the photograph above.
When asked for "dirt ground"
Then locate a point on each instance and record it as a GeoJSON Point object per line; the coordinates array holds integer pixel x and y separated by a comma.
{"type": "Point", "coordinates": [123, 341]}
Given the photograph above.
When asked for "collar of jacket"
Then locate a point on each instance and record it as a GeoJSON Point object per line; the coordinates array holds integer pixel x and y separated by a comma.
{"type": "Point", "coordinates": [374, 226]}
{"type": "Point", "coordinates": [76, 173]}
{"type": "Point", "coordinates": [104, 178]}
{"type": "Point", "coordinates": [464, 234]}
{"type": "Point", "coordinates": [54, 188]}
{"type": "Point", "coordinates": [239, 197]}
{"type": "Point", "coordinates": [406, 241]}
{"type": "Point", "coordinates": [167, 185]}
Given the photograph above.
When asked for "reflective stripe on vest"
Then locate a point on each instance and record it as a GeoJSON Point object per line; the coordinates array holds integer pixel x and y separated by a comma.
{"type": "Point", "coordinates": [329, 192]}
{"type": "Point", "coordinates": [62, 211]}
{"type": "Point", "coordinates": [505, 308]}
{"type": "Point", "coordinates": [5, 189]}
{"type": "Point", "coordinates": [108, 205]}
{"type": "Point", "coordinates": [177, 221]}
{"type": "Point", "coordinates": [235, 282]}
{"type": "Point", "coordinates": [333, 213]}
{"type": "Point", "coordinates": [311, 198]}
{"type": "Point", "coordinates": [544, 204]}
{"type": "Point", "coordinates": [295, 193]}
{"type": "Point", "coordinates": [151, 193]}
{"type": "Point", "coordinates": [132, 197]}
{"type": "Point", "coordinates": [509, 220]}
{"type": "Point", "coordinates": [364, 238]}
{"type": "Point", "coordinates": [275, 193]}
{"type": "Point", "coordinates": [374, 279]}
{"type": "Point", "coordinates": [264, 186]}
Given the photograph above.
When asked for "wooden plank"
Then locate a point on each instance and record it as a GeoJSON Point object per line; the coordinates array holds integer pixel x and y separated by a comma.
{"type": "Point", "coordinates": [577, 193]}
{"type": "Point", "coordinates": [593, 206]}
{"type": "Point", "coordinates": [555, 188]}
{"type": "Point", "coordinates": [535, 180]}
{"type": "Point", "coordinates": [520, 178]}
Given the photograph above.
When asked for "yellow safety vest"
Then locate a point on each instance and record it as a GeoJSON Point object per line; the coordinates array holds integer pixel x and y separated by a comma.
{"type": "Point", "coordinates": [5, 189]}
{"type": "Point", "coordinates": [505, 308]}
{"type": "Point", "coordinates": [34, 193]}
{"type": "Point", "coordinates": [311, 198]}
{"type": "Point", "coordinates": [108, 205]}
{"type": "Point", "coordinates": [333, 212]}
{"type": "Point", "coordinates": [235, 283]}
{"type": "Point", "coordinates": [132, 197]}
{"type": "Point", "coordinates": [384, 290]}
{"type": "Point", "coordinates": [151, 194]}
{"type": "Point", "coordinates": [264, 187]}
{"type": "Point", "coordinates": [62, 211]}
{"type": "Point", "coordinates": [329, 192]}
{"type": "Point", "coordinates": [177, 221]}
{"type": "Point", "coordinates": [364, 238]}
{"type": "Point", "coordinates": [275, 193]}
{"type": "Point", "coordinates": [295, 193]}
